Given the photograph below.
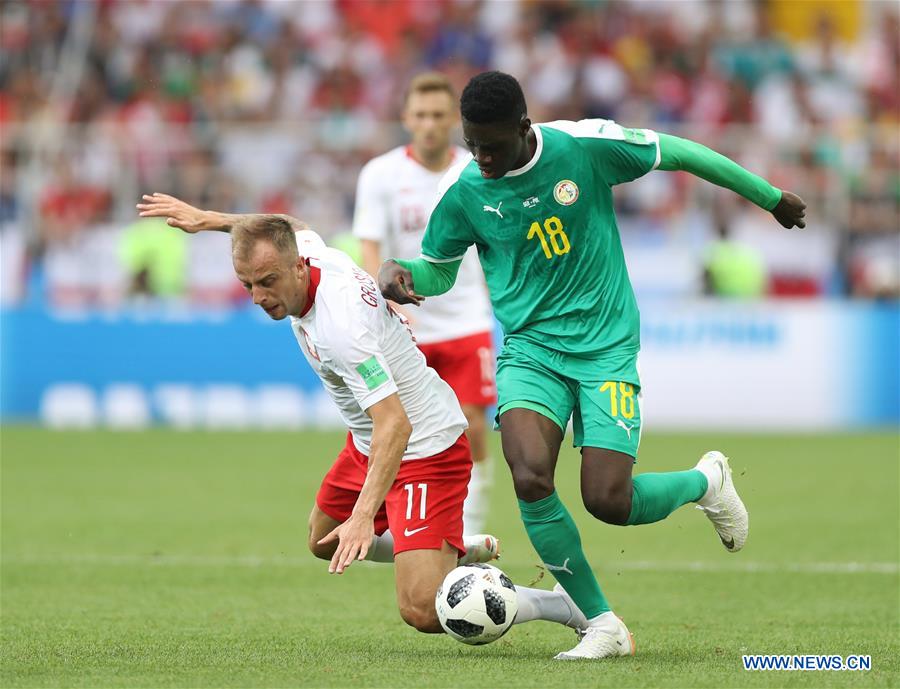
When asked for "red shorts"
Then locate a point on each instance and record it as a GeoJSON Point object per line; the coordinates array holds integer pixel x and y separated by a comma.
{"type": "Point", "coordinates": [467, 364]}
{"type": "Point", "coordinates": [423, 507]}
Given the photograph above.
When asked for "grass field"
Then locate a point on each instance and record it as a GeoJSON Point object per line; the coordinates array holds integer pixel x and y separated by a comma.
{"type": "Point", "coordinates": [168, 559]}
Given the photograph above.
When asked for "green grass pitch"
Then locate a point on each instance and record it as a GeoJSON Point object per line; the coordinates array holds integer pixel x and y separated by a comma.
{"type": "Point", "coordinates": [175, 559]}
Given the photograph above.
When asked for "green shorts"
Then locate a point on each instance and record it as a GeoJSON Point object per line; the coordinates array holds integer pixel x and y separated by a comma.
{"type": "Point", "coordinates": [601, 396]}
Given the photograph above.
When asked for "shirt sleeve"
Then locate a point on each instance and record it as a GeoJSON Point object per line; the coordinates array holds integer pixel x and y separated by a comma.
{"type": "Point", "coordinates": [357, 358]}
{"type": "Point", "coordinates": [687, 155]}
{"type": "Point", "coordinates": [431, 279]}
{"type": "Point", "coordinates": [620, 154]}
{"type": "Point", "coordinates": [448, 234]}
{"type": "Point", "coordinates": [371, 215]}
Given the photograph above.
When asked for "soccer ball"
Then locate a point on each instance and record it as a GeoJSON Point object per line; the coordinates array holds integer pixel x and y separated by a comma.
{"type": "Point", "coordinates": [476, 604]}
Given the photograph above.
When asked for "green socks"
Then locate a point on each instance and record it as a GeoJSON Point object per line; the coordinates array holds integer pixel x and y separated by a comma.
{"type": "Point", "coordinates": [656, 496]}
{"type": "Point", "coordinates": [555, 538]}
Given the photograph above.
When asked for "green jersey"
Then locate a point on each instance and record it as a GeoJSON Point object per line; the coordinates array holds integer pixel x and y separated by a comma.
{"type": "Point", "coordinates": [548, 241]}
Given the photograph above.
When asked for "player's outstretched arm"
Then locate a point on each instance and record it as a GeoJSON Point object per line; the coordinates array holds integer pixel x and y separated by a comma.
{"type": "Point", "coordinates": [681, 154]}
{"type": "Point", "coordinates": [409, 282]}
{"type": "Point", "coordinates": [190, 219]}
{"type": "Point", "coordinates": [183, 215]}
{"type": "Point", "coordinates": [390, 435]}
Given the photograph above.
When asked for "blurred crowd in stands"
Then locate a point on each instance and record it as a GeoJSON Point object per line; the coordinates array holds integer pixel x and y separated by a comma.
{"type": "Point", "coordinates": [273, 106]}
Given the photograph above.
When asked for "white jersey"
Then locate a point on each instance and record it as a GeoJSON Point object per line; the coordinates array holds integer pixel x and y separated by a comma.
{"type": "Point", "coordinates": [394, 198]}
{"type": "Point", "coordinates": [364, 352]}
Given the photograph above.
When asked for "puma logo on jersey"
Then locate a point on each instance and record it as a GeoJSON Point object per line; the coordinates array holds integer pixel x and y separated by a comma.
{"type": "Point", "coordinates": [564, 567]}
{"type": "Point", "coordinates": [621, 424]}
{"type": "Point", "coordinates": [488, 209]}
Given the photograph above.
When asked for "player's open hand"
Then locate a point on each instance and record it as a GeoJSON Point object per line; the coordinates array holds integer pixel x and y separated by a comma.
{"type": "Point", "coordinates": [176, 212]}
{"type": "Point", "coordinates": [396, 284]}
{"type": "Point", "coordinates": [354, 538]}
{"type": "Point", "coordinates": [790, 211]}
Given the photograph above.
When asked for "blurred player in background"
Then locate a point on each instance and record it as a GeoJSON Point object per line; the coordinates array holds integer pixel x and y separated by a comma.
{"type": "Point", "coordinates": [396, 491]}
{"type": "Point", "coordinates": [537, 202]}
{"type": "Point", "coordinates": [395, 195]}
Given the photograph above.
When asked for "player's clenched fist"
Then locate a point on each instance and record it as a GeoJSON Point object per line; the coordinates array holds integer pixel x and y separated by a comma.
{"type": "Point", "coordinates": [790, 211]}
{"type": "Point", "coordinates": [396, 284]}
{"type": "Point", "coordinates": [176, 212]}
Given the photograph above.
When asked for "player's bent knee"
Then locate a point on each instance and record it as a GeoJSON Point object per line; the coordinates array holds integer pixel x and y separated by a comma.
{"type": "Point", "coordinates": [610, 509]}
{"type": "Point", "coordinates": [423, 617]}
{"type": "Point", "coordinates": [531, 486]}
{"type": "Point", "coordinates": [323, 552]}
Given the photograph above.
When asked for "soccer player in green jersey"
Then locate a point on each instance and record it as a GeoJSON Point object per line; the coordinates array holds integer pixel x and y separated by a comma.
{"type": "Point", "coordinates": [536, 200]}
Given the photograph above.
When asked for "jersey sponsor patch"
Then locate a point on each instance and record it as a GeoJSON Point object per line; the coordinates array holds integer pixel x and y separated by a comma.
{"type": "Point", "coordinates": [372, 373]}
{"type": "Point", "coordinates": [565, 192]}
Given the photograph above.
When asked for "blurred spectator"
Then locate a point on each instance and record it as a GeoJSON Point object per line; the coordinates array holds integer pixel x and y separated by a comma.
{"type": "Point", "coordinates": [732, 269]}
{"type": "Point", "coordinates": [9, 203]}
{"type": "Point", "coordinates": [765, 54]}
{"type": "Point", "coordinates": [68, 205]}
{"type": "Point", "coordinates": [155, 258]}
{"type": "Point", "coordinates": [460, 39]}
{"type": "Point", "coordinates": [872, 238]}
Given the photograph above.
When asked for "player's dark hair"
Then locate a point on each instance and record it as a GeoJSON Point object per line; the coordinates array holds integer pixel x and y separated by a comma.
{"type": "Point", "coordinates": [278, 230]}
{"type": "Point", "coordinates": [492, 97]}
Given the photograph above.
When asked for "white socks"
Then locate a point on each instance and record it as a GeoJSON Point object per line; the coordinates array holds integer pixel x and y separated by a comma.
{"type": "Point", "coordinates": [537, 604]}
{"type": "Point", "coordinates": [713, 476]}
{"type": "Point", "coordinates": [382, 548]}
{"type": "Point", "coordinates": [476, 505]}
{"type": "Point", "coordinates": [605, 620]}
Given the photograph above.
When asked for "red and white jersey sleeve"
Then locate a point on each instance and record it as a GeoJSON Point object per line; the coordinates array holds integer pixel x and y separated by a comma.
{"type": "Point", "coordinates": [363, 352]}
{"type": "Point", "coordinates": [394, 197]}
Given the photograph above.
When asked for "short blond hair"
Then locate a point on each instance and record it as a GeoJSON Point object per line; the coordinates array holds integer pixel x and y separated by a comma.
{"type": "Point", "coordinates": [428, 82]}
{"type": "Point", "coordinates": [278, 230]}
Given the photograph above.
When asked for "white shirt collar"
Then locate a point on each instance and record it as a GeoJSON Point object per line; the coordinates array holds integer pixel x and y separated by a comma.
{"type": "Point", "coordinates": [537, 154]}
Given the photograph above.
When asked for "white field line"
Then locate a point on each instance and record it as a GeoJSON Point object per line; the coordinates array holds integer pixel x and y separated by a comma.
{"type": "Point", "coordinates": [251, 561]}
{"type": "Point", "coordinates": [764, 567]}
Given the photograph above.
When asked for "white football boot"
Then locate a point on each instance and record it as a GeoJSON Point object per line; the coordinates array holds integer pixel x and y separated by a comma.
{"type": "Point", "coordinates": [606, 640]}
{"type": "Point", "coordinates": [577, 621]}
{"type": "Point", "coordinates": [721, 502]}
{"type": "Point", "coordinates": [480, 547]}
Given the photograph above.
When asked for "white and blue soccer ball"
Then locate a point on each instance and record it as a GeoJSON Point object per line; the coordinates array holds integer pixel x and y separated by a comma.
{"type": "Point", "coordinates": [476, 604]}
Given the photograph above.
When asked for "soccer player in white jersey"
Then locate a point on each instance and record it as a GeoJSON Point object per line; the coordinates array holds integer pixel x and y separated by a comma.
{"type": "Point", "coordinates": [396, 491]}
{"type": "Point", "coordinates": [395, 195]}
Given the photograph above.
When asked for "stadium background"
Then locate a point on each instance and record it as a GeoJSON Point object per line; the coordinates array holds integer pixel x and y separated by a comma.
{"type": "Point", "coordinates": [158, 558]}
{"type": "Point", "coordinates": [274, 106]}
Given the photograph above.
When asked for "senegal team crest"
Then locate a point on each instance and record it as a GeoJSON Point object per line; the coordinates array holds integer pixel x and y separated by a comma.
{"type": "Point", "coordinates": [565, 192]}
